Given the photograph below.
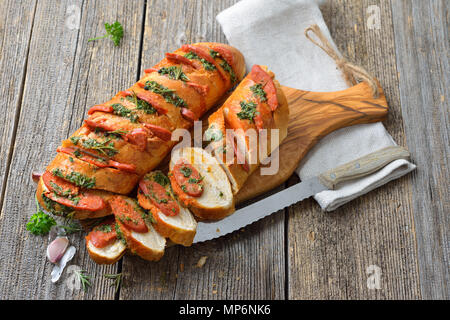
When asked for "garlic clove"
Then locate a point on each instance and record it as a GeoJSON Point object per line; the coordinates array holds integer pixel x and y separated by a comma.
{"type": "Point", "coordinates": [56, 249]}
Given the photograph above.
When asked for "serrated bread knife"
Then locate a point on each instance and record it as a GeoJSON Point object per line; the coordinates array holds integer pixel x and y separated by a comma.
{"type": "Point", "coordinates": [305, 189]}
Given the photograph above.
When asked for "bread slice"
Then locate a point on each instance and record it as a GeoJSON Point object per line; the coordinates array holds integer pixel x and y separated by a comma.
{"type": "Point", "coordinates": [216, 201]}
{"type": "Point", "coordinates": [103, 243]}
{"type": "Point", "coordinates": [148, 245]}
{"type": "Point", "coordinates": [106, 255]}
{"type": "Point", "coordinates": [180, 228]}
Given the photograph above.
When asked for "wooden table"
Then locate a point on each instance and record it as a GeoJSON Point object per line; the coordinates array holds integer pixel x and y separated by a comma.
{"type": "Point", "coordinates": [50, 75]}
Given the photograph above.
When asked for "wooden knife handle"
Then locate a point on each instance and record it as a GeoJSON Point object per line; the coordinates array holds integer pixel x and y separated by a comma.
{"type": "Point", "coordinates": [363, 166]}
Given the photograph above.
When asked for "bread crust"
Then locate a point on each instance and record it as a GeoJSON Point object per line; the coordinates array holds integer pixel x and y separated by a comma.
{"type": "Point", "coordinates": [103, 259]}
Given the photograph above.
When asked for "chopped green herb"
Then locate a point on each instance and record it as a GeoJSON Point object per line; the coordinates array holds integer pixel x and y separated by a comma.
{"type": "Point", "coordinates": [70, 159]}
{"type": "Point", "coordinates": [228, 69]}
{"type": "Point", "coordinates": [76, 178]}
{"type": "Point", "coordinates": [116, 134]}
{"type": "Point", "coordinates": [106, 228]}
{"type": "Point", "coordinates": [123, 111]}
{"type": "Point", "coordinates": [214, 54]}
{"type": "Point", "coordinates": [183, 187]}
{"type": "Point", "coordinates": [114, 31]}
{"type": "Point", "coordinates": [186, 171]}
{"type": "Point", "coordinates": [168, 94]}
{"type": "Point", "coordinates": [142, 104]}
{"type": "Point", "coordinates": [207, 65]}
{"type": "Point", "coordinates": [221, 194]}
{"type": "Point", "coordinates": [77, 153]}
{"type": "Point", "coordinates": [105, 147]}
{"type": "Point", "coordinates": [75, 140]}
{"type": "Point", "coordinates": [258, 91]}
{"type": "Point", "coordinates": [120, 234]}
{"type": "Point", "coordinates": [160, 178]}
{"type": "Point", "coordinates": [174, 73]}
{"type": "Point", "coordinates": [248, 111]}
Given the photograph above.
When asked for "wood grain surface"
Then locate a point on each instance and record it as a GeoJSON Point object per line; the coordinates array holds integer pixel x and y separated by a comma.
{"type": "Point", "coordinates": [422, 48]}
{"type": "Point", "coordinates": [51, 75]}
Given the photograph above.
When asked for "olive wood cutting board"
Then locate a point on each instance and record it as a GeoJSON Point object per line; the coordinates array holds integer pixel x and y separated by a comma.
{"type": "Point", "coordinates": [312, 116]}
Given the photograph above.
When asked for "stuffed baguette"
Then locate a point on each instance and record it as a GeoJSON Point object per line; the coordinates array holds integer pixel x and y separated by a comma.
{"type": "Point", "coordinates": [129, 135]}
{"type": "Point", "coordinates": [258, 106]}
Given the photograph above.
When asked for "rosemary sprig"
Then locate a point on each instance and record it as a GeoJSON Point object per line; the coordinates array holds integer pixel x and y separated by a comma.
{"type": "Point", "coordinates": [85, 279]}
{"type": "Point", "coordinates": [70, 226]}
{"type": "Point", "coordinates": [117, 280]}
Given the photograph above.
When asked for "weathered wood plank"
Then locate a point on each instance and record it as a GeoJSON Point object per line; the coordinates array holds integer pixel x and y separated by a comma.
{"type": "Point", "coordinates": [65, 76]}
{"type": "Point", "coordinates": [329, 253]}
{"type": "Point", "coordinates": [16, 22]}
{"type": "Point", "coordinates": [242, 265]}
{"type": "Point", "coordinates": [422, 47]}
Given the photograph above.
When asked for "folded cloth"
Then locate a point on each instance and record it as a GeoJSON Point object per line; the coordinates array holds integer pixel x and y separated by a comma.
{"type": "Point", "coordinates": [271, 33]}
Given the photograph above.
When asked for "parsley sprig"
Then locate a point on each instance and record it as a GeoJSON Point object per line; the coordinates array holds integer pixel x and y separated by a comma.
{"type": "Point", "coordinates": [40, 223]}
{"type": "Point", "coordinates": [114, 31]}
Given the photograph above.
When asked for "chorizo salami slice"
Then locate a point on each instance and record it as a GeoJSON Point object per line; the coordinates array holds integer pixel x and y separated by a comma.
{"type": "Point", "coordinates": [260, 76]}
{"type": "Point", "coordinates": [83, 201]}
{"type": "Point", "coordinates": [100, 108]}
{"type": "Point", "coordinates": [159, 196]}
{"type": "Point", "coordinates": [103, 234]}
{"type": "Point", "coordinates": [126, 213]}
{"type": "Point", "coordinates": [188, 178]}
{"type": "Point", "coordinates": [58, 185]}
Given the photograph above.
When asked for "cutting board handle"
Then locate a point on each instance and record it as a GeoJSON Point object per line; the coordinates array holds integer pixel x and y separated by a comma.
{"type": "Point", "coordinates": [313, 115]}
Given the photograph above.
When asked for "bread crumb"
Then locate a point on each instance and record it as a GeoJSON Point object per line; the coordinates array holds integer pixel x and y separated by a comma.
{"type": "Point", "coordinates": [217, 230]}
{"type": "Point", "coordinates": [201, 262]}
{"type": "Point", "coordinates": [181, 267]}
{"type": "Point", "coordinates": [214, 291]}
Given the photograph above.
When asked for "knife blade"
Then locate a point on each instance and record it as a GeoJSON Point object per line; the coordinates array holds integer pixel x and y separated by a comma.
{"type": "Point", "coordinates": [298, 192]}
